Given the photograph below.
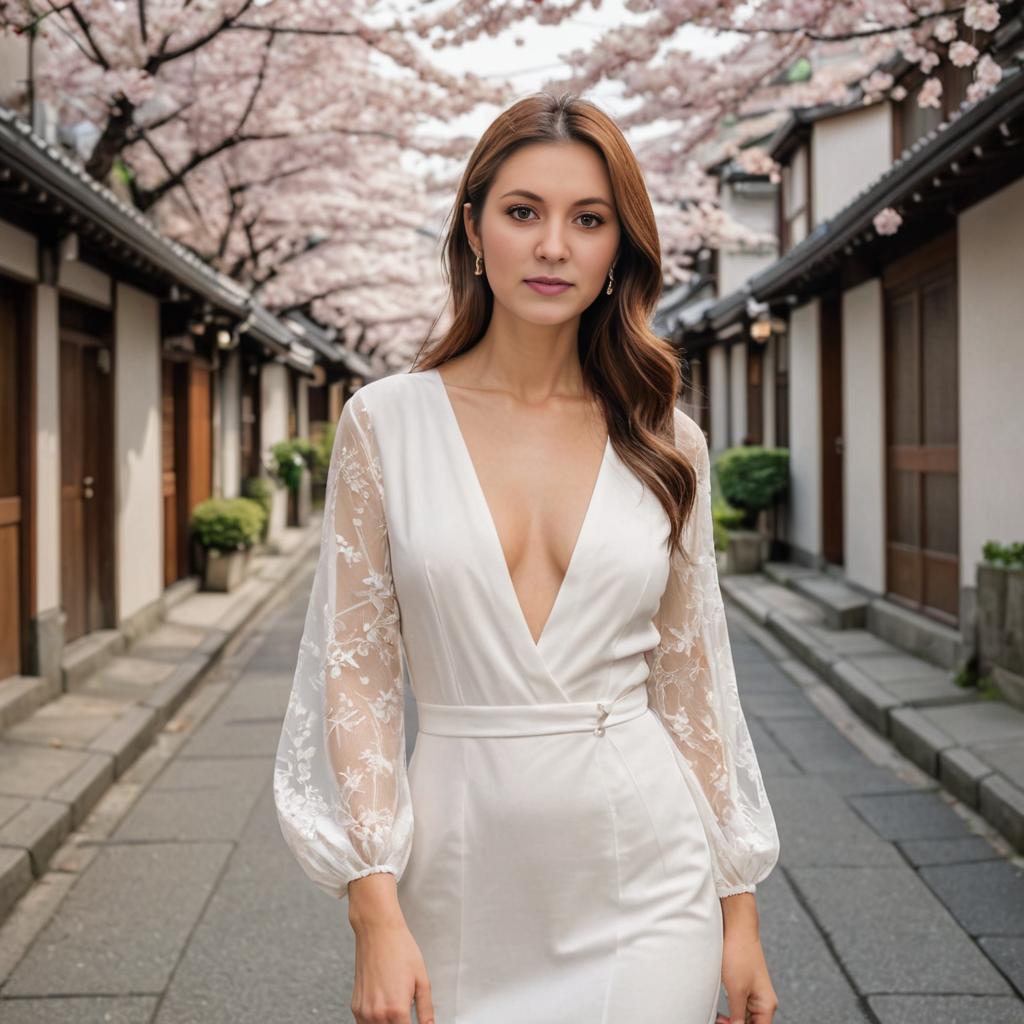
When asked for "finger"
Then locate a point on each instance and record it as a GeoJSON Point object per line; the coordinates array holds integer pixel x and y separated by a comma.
{"type": "Point", "coordinates": [424, 1002]}
{"type": "Point", "coordinates": [737, 1007]}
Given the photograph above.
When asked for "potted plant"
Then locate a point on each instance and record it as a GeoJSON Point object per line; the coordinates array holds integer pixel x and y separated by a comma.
{"type": "Point", "coordinates": [261, 490]}
{"type": "Point", "coordinates": [1000, 617]}
{"type": "Point", "coordinates": [751, 478]}
{"type": "Point", "coordinates": [289, 459]}
{"type": "Point", "coordinates": [323, 445]}
{"type": "Point", "coordinates": [226, 529]}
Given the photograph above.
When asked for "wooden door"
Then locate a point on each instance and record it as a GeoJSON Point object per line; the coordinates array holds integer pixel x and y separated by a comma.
{"type": "Point", "coordinates": [782, 389]}
{"type": "Point", "coordinates": [200, 434]}
{"type": "Point", "coordinates": [922, 432]}
{"type": "Point", "coordinates": [175, 525]}
{"type": "Point", "coordinates": [755, 393]}
{"type": "Point", "coordinates": [250, 432]}
{"type": "Point", "coordinates": [86, 455]}
{"type": "Point", "coordinates": [831, 347]}
{"type": "Point", "coordinates": [15, 462]}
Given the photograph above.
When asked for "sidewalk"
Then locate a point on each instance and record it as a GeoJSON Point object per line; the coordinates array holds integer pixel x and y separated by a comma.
{"type": "Point", "coordinates": [973, 746]}
{"type": "Point", "coordinates": [177, 902]}
{"type": "Point", "coordinates": [57, 761]}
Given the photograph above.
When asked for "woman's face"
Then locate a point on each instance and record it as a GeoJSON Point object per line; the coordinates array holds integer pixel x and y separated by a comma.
{"type": "Point", "coordinates": [549, 213]}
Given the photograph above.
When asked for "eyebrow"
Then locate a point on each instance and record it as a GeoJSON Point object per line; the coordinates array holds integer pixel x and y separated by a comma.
{"type": "Point", "coordinates": [538, 199]}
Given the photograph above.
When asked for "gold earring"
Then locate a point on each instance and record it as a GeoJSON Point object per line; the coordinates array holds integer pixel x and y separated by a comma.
{"type": "Point", "coordinates": [479, 265]}
{"type": "Point", "coordinates": [611, 278]}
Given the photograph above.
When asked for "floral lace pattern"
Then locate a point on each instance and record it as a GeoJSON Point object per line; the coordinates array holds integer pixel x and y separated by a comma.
{"type": "Point", "coordinates": [341, 787]}
{"type": "Point", "coordinates": [340, 779]}
{"type": "Point", "coordinates": [692, 688]}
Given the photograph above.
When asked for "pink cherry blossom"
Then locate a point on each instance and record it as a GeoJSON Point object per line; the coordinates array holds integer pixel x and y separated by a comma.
{"type": "Point", "coordinates": [962, 54]}
{"type": "Point", "coordinates": [981, 14]}
{"type": "Point", "coordinates": [930, 93]}
{"type": "Point", "coordinates": [887, 221]}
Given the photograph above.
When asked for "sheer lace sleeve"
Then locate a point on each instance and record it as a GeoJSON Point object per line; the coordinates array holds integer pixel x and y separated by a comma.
{"type": "Point", "coordinates": [340, 782]}
{"type": "Point", "coordinates": [692, 688]}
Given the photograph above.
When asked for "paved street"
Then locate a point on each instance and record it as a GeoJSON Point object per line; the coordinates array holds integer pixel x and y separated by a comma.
{"type": "Point", "coordinates": [178, 901]}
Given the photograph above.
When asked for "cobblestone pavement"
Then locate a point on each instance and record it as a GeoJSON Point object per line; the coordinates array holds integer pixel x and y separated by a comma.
{"type": "Point", "coordinates": [178, 902]}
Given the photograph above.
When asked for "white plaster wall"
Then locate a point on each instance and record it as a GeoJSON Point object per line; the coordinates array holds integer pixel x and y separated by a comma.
{"type": "Point", "coordinates": [18, 252]}
{"type": "Point", "coordinates": [991, 311]}
{"type": "Point", "coordinates": [137, 432]}
{"type": "Point", "coordinates": [753, 206]}
{"type": "Point", "coordinates": [274, 428]}
{"type": "Point", "coordinates": [848, 152]}
{"type": "Point", "coordinates": [804, 521]}
{"type": "Point", "coordinates": [230, 376]}
{"type": "Point", "coordinates": [47, 444]}
{"type": "Point", "coordinates": [738, 391]}
{"type": "Point", "coordinates": [864, 435]}
{"type": "Point", "coordinates": [719, 419]}
{"type": "Point", "coordinates": [85, 282]}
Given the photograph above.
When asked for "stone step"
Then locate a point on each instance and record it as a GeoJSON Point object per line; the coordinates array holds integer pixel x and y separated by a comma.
{"type": "Point", "coordinates": [915, 633]}
{"type": "Point", "coordinates": [786, 573]}
{"type": "Point", "coordinates": [842, 605]}
{"type": "Point", "coordinates": [87, 654]}
{"type": "Point", "coordinates": [60, 752]}
{"type": "Point", "coordinates": [21, 695]}
{"type": "Point", "coordinates": [974, 746]}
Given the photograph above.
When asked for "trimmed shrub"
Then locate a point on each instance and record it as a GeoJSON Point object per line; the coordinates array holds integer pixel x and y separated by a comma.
{"type": "Point", "coordinates": [752, 478]}
{"type": "Point", "coordinates": [227, 524]}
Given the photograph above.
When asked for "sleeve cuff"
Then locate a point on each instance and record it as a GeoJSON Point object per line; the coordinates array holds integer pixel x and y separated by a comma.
{"type": "Point", "coordinates": [734, 889]}
{"type": "Point", "coordinates": [343, 894]}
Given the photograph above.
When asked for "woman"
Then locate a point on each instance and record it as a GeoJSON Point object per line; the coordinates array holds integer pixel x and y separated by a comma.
{"type": "Point", "coordinates": [525, 519]}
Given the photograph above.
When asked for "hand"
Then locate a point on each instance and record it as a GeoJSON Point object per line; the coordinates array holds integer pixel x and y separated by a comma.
{"type": "Point", "coordinates": [390, 974]}
{"type": "Point", "coordinates": [752, 998]}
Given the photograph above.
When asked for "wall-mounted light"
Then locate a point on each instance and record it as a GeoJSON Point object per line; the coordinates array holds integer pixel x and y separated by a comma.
{"type": "Point", "coordinates": [68, 247]}
{"type": "Point", "coordinates": [761, 330]}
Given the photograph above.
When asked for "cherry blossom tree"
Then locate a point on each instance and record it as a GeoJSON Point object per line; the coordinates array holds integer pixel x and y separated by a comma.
{"type": "Point", "coordinates": [284, 140]}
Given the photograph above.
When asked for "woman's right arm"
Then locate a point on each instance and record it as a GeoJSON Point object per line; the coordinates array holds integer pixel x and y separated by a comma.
{"type": "Point", "coordinates": [341, 787]}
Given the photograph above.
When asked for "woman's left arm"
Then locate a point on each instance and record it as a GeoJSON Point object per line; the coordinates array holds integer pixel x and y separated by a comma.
{"type": "Point", "coordinates": [748, 987]}
{"type": "Point", "coordinates": [692, 688]}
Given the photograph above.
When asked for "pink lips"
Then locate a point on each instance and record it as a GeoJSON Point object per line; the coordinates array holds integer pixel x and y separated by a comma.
{"type": "Point", "coordinates": [548, 286]}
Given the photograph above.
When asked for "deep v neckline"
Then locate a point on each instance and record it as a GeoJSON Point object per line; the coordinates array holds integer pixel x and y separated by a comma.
{"type": "Point", "coordinates": [490, 527]}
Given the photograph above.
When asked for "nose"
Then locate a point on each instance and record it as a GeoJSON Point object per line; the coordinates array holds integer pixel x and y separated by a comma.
{"type": "Point", "coordinates": [551, 246]}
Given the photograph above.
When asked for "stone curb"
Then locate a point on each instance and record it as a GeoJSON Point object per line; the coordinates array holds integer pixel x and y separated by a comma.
{"type": "Point", "coordinates": [956, 768]}
{"type": "Point", "coordinates": [34, 834]}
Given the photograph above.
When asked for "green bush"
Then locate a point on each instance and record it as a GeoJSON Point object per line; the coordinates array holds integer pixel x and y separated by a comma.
{"type": "Point", "coordinates": [290, 458]}
{"type": "Point", "coordinates": [725, 518]}
{"type": "Point", "coordinates": [1010, 556]}
{"type": "Point", "coordinates": [260, 490]}
{"type": "Point", "coordinates": [227, 524]}
{"type": "Point", "coordinates": [752, 477]}
{"type": "Point", "coordinates": [322, 454]}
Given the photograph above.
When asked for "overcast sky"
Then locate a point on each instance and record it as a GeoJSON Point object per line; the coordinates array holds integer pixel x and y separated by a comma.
{"type": "Point", "coordinates": [529, 66]}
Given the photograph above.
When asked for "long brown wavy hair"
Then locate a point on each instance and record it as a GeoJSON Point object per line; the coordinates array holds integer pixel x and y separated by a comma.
{"type": "Point", "coordinates": [634, 374]}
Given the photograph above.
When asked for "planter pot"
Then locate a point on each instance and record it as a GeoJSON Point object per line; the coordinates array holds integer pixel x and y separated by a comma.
{"type": "Point", "coordinates": [1010, 685]}
{"type": "Point", "coordinates": [225, 571]}
{"type": "Point", "coordinates": [1013, 625]}
{"type": "Point", "coordinates": [1000, 618]}
{"type": "Point", "coordinates": [991, 611]}
{"type": "Point", "coordinates": [745, 551]}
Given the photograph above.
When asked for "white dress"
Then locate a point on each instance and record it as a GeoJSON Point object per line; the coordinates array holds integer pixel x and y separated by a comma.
{"type": "Point", "coordinates": [574, 808]}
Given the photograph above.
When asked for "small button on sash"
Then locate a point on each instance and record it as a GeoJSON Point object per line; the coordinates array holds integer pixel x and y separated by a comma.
{"type": "Point", "coordinates": [603, 714]}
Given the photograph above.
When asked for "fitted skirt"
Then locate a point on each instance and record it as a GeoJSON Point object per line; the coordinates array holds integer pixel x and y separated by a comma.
{"type": "Point", "coordinates": [561, 878]}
